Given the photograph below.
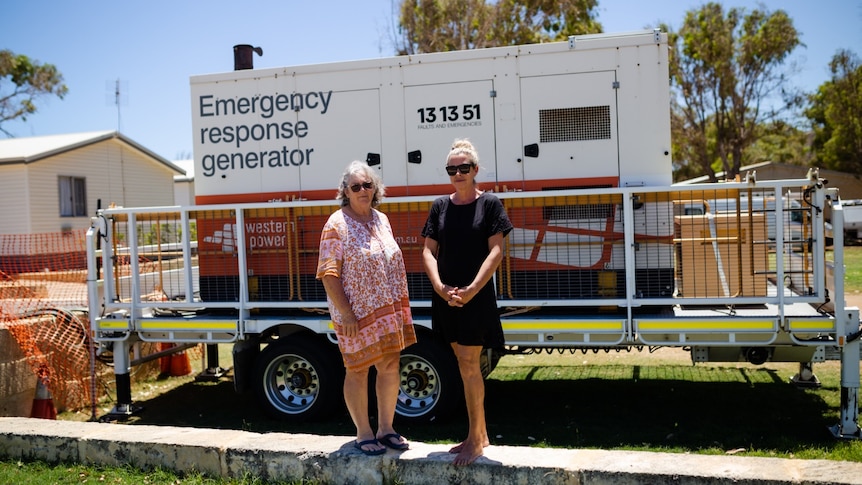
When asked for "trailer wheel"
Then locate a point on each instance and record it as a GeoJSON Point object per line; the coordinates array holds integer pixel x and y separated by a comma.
{"type": "Point", "coordinates": [430, 386]}
{"type": "Point", "coordinates": [298, 379]}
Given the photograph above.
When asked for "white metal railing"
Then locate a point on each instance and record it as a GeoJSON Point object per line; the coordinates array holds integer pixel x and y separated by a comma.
{"type": "Point", "coordinates": [612, 248]}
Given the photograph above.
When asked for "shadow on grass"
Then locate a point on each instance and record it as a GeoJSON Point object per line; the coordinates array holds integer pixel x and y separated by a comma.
{"type": "Point", "coordinates": [678, 408]}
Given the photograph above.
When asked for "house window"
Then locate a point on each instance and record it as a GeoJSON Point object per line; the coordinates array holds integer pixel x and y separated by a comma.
{"type": "Point", "coordinates": [73, 196]}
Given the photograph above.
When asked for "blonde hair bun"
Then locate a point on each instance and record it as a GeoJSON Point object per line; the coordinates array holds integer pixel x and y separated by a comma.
{"type": "Point", "coordinates": [462, 146]}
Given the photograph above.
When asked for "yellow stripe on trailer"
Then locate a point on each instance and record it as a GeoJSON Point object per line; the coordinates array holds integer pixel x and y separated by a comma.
{"type": "Point", "coordinates": [706, 325]}
{"type": "Point", "coordinates": [215, 325]}
{"type": "Point", "coordinates": [811, 324]}
{"type": "Point", "coordinates": [564, 326]}
{"type": "Point", "coordinates": [113, 324]}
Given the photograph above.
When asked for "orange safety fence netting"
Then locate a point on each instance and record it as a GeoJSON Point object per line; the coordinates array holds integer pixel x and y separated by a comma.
{"type": "Point", "coordinates": [44, 318]}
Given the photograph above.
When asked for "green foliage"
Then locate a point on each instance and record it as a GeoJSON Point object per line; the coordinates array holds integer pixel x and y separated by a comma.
{"type": "Point", "coordinates": [446, 25]}
{"type": "Point", "coordinates": [22, 82]}
{"type": "Point", "coordinates": [163, 233]}
{"type": "Point", "coordinates": [779, 142]}
{"type": "Point", "coordinates": [724, 67]}
{"type": "Point", "coordinates": [835, 112]}
{"type": "Point", "coordinates": [156, 233]}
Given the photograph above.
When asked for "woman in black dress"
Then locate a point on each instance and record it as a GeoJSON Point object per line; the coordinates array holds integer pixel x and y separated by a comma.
{"type": "Point", "coordinates": [463, 248]}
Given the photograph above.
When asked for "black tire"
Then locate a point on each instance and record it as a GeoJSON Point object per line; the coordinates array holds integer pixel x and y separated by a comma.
{"type": "Point", "coordinates": [430, 387]}
{"type": "Point", "coordinates": [299, 379]}
{"type": "Point", "coordinates": [488, 361]}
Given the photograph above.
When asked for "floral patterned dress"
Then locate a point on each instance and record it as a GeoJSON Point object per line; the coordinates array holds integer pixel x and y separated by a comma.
{"type": "Point", "coordinates": [368, 261]}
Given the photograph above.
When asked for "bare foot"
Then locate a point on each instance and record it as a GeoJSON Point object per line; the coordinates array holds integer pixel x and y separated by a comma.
{"type": "Point", "coordinates": [457, 448]}
{"type": "Point", "coordinates": [467, 453]}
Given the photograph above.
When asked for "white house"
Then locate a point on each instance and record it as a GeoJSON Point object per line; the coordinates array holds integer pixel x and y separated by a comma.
{"type": "Point", "coordinates": [184, 185]}
{"type": "Point", "coordinates": [55, 183]}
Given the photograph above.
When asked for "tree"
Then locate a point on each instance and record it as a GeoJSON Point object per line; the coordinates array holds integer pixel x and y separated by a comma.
{"type": "Point", "coordinates": [782, 142]}
{"type": "Point", "coordinates": [445, 25]}
{"type": "Point", "coordinates": [835, 112]}
{"type": "Point", "coordinates": [29, 81]}
{"type": "Point", "coordinates": [724, 69]}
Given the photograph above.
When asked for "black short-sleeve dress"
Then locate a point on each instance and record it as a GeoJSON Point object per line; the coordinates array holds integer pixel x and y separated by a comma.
{"type": "Point", "coordinates": [462, 233]}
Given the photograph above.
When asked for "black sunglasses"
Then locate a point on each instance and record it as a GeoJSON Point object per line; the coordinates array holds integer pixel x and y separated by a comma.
{"type": "Point", "coordinates": [464, 168]}
{"type": "Point", "coordinates": [363, 185]}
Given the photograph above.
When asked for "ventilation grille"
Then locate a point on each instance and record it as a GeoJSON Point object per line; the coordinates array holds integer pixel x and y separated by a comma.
{"type": "Point", "coordinates": [579, 212]}
{"type": "Point", "coordinates": [575, 124]}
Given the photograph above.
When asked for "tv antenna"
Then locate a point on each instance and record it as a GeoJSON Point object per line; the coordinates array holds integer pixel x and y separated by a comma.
{"type": "Point", "coordinates": [117, 94]}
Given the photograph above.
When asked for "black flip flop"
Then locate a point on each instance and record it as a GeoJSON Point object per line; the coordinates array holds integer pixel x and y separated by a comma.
{"type": "Point", "coordinates": [359, 444]}
{"type": "Point", "coordinates": [393, 440]}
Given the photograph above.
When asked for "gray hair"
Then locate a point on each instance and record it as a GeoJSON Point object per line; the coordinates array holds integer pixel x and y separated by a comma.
{"type": "Point", "coordinates": [357, 167]}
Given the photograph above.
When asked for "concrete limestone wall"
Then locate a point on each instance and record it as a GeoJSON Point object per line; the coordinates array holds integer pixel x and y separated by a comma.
{"type": "Point", "coordinates": [332, 459]}
{"type": "Point", "coordinates": [17, 380]}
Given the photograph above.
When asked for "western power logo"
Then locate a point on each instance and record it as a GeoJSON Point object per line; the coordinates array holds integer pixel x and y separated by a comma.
{"type": "Point", "coordinates": [226, 237]}
{"type": "Point", "coordinates": [270, 234]}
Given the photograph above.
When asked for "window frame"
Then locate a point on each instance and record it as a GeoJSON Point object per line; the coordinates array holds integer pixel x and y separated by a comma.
{"type": "Point", "coordinates": [72, 192]}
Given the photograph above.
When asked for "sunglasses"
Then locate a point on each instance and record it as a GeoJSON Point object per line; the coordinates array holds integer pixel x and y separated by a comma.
{"type": "Point", "coordinates": [464, 168]}
{"type": "Point", "coordinates": [363, 185]}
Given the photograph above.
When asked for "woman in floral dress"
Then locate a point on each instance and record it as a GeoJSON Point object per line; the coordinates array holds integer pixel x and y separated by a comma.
{"type": "Point", "coordinates": [363, 272]}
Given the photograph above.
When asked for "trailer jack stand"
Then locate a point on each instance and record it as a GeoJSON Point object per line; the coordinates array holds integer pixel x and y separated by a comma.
{"type": "Point", "coordinates": [121, 412]}
{"type": "Point", "coordinates": [213, 370]}
{"type": "Point", "coordinates": [847, 426]}
{"type": "Point", "coordinates": [211, 374]}
{"type": "Point", "coordinates": [124, 408]}
{"type": "Point", "coordinates": [805, 378]}
{"type": "Point", "coordinates": [837, 432]}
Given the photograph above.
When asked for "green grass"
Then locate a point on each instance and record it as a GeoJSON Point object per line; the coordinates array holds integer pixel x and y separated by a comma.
{"type": "Point", "coordinates": [852, 268]}
{"type": "Point", "coordinates": [705, 409]}
{"type": "Point", "coordinates": [38, 473]}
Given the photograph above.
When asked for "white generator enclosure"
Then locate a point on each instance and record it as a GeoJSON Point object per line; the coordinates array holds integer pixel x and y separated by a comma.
{"type": "Point", "coordinates": [591, 112]}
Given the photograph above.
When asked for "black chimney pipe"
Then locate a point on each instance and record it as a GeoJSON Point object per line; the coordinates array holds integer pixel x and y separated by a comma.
{"type": "Point", "coordinates": [243, 58]}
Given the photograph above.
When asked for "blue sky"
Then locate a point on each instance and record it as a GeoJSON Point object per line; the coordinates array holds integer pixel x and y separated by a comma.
{"type": "Point", "coordinates": [154, 47]}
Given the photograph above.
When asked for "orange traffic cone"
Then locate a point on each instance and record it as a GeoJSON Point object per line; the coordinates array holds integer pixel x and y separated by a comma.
{"type": "Point", "coordinates": [165, 362]}
{"type": "Point", "coordinates": [43, 403]}
{"type": "Point", "coordinates": [180, 365]}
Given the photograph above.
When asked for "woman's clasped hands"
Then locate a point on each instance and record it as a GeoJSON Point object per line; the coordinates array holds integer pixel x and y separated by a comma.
{"type": "Point", "coordinates": [455, 296]}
